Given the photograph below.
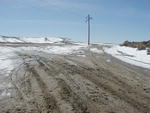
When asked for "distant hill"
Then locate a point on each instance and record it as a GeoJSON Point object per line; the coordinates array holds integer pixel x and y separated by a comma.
{"type": "Point", "coordinates": [140, 45]}
{"type": "Point", "coordinates": [8, 39]}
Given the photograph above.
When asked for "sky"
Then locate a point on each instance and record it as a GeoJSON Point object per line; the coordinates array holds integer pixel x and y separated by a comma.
{"type": "Point", "coordinates": [114, 21]}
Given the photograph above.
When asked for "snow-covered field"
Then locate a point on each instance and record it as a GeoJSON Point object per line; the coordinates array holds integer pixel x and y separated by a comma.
{"type": "Point", "coordinates": [130, 55]}
{"type": "Point", "coordinates": [30, 40]}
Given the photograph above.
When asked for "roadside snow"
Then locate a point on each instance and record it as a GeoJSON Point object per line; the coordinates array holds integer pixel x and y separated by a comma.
{"type": "Point", "coordinates": [130, 55]}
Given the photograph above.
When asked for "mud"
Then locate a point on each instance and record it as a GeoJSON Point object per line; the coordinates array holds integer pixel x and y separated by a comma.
{"type": "Point", "coordinates": [46, 83]}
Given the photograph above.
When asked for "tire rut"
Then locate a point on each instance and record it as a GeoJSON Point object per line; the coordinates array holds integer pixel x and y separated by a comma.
{"type": "Point", "coordinates": [68, 69]}
{"type": "Point", "coordinates": [136, 100]}
{"type": "Point", "coordinates": [108, 86]}
{"type": "Point", "coordinates": [78, 103]}
{"type": "Point", "coordinates": [50, 100]}
{"type": "Point", "coordinates": [61, 92]}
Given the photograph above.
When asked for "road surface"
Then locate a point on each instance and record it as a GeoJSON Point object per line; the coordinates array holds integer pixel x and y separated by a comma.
{"type": "Point", "coordinates": [92, 82]}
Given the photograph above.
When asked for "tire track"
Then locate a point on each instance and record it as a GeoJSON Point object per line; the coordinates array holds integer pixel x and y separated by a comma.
{"type": "Point", "coordinates": [66, 70]}
{"type": "Point", "coordinates": [109, 86]}
{"type": "Point", "coordinates": [21, 97]}
{"type": "Point", "coordinates": [136, 100]}
{"type": "Point", "coordinates": [61, 92]}
{"type": "Point", "coordinates": [78, 103]}
{"type": "Point", "coordinates": [50, 101]}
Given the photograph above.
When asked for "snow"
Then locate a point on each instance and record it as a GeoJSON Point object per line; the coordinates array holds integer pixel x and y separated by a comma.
{"type": "Point", "coordinates": [81, 55]}
{"type": "Point", "coordinates": [81, 43]}
{"type": "Point", "coordinates": [7, 60]}
{"type": "Point", "coordinates": [130, 55]}
{"type": "Point", "coordinates": [63, 50]}
{"type": "Point", "coordinates": [108, 60]}
{"type": "Point", "coordinates": [9, 40]}
{"type": "Point", "coordinates": [5, 85]}
{"type": "Point", "coordinates": [5, 93]}
{"type": "Point", "coordinates": [4, 89]}
{"type": "Point", "coordinates": [95, 50]}
{"type": "Point", "coordinates": [42, 40]}
{"type": "Point", "coordinates": [31, 40]}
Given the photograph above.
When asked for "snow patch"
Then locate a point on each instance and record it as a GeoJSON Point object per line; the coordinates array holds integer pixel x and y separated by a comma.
{"type": "Point", "coordinates": [5, 85]}
{"type": "Point", "coordinates": [108, 60]}
{"type": "Point", "coordinates": [8, 60]}
{"type": "Point", "coordinates": [95, 50]}
{"type": "Point", "coordinates": [81, 55]}
{"type": "Point", "coordinates": [5, 93]}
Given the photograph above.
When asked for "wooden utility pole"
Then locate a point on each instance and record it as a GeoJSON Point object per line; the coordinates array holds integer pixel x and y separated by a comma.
{"type": "Point", "coordinates": [88, 19]}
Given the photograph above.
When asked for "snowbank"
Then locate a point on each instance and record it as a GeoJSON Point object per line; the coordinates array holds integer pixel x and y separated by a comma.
{"type": "Point", "coordinates": [130, 55]}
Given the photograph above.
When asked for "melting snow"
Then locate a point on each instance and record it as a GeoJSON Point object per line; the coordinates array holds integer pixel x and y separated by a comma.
{"type": "Point", "coordinates": [42, 40]}
{"type": "Point", "coordinates": [7, 60]}
{"type": "Point", "coordinates": [30, 40]}
{"type": "Point", "coordinates": [95, 50]}
{"type": "Point", "coordinates": [5, 93]}
{"type": "Point", "coordinates": [130, 55]}
{"type": "Point", "coordinates": [108, 60]}
{"type": "Point", "coordinates": [81, 55]}
{"type": "Point", "coordinates": [55, 49]}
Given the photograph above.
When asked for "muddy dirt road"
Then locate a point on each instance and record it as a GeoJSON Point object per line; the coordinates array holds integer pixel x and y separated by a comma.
{"type": "Point", "coordinates": [46, 83]}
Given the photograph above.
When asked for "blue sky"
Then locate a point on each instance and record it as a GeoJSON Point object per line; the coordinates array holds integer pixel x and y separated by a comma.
{"type": "Point", "coordinates": [113, 20]}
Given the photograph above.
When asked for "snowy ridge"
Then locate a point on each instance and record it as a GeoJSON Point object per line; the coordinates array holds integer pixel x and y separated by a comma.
{"type": "Point", "coordinates": [30, 40]}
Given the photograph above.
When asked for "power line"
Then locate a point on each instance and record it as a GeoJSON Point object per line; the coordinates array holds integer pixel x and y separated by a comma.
{"type": "Point", "coordinates": [88, 19]}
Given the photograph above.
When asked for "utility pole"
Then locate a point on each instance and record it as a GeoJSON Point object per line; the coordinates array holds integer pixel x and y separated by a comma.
{"type": "Point", "coordinates": [88, 19]}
